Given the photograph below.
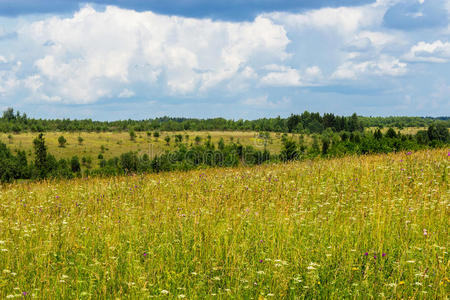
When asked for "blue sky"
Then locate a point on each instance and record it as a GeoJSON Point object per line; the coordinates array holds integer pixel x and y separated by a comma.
{"type": "Point", "coordinates": [136, 59]}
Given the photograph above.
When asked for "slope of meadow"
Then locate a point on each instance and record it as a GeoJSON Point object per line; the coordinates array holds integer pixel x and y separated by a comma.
{"type": "Point", "coordinates": [355, 227]}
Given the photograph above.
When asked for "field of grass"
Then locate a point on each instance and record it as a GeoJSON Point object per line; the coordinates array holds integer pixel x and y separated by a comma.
{"type": "Point", "coordinates": [355, 227]}
{"type": "Point", "coordinates": [116, 143]}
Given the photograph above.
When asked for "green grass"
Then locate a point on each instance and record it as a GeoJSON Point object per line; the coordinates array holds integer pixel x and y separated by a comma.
{"type": "Point", "coordinates": [117, 143]}
{"type": "Point", "coordinates": [276, 231]}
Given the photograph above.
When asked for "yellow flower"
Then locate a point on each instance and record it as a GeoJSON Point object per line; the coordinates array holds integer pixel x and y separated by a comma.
{"type": "Point", "coordinates": [355, 269]}
{"type": "Point", "coordinates": [401, 283]}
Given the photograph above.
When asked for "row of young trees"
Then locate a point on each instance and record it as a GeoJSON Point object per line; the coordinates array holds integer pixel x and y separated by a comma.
{"type": "Point", "coordinates": [184, 157]}
{"type": "Point", "coordinates": [306, 122]}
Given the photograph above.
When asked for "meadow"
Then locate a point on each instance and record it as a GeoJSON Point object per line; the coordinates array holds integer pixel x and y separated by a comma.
{"type": "Point", "coordinates": [372, 226]}
{"type": "Point", "coordinates": [116, 143]}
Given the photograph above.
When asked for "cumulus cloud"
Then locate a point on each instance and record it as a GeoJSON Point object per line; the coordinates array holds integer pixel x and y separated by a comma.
{"type": "Point", "coordinates": [361, 46]}
{"type": "Point", "coordinates": [413, 15]}
{"type": "Point", "coordinates": [264, 102]}
{"type": "Point", "coordinates": [285, 76]}
{"type": "Point", "coordinates": [95, 54]}
{"type": "Point", "coordinates": [342, 20]}
{"type": "Point", "coordinates": [126, 93]}
{"type": "Point", "coordinates": [437, 52]}
{"type": "Point", "coordinates": [114, 53]}
{"type": "Point", "coordinates": [384, 66]}
{"type": "Point", "coordinates": [9, 81]}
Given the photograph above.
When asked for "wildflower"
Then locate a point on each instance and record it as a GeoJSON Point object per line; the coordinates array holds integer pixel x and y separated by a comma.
{"type": "Point", "coordinates": [260, 260]}
{"type": "Point", "coordinates": [366, 254]}
{"type": "Point", "coordinates": [24, 293]}
{"type": "Point", "coordinates": [165, 292]}
{"type": "Point", "coordinates": [145, 254]}
{"type": "Point", "coordinates": [401, 283]}
{"type": "Point", "coordinates": [383, 255]}
{"type": "Point", "coordinates": [425, 232]}
{"type": "Point", "coordinates": [409, 153]}
{"type": "Point", "coordinates": [354, 269]}
{"type": "Point", "coordinates": [375, 256]}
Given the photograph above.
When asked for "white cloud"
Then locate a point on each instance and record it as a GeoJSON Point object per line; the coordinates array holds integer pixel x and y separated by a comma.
{"type": "Point", "coordinates": [342, 20]}
{"type": "Point", "coordinates": [126, 93]}
{"type": "Point", "coordinates": [385, 65]}
{"type": "Point", "coordinates": [282, 76]}
{"type": "Point", "coordinates": [438, 52]}
{"type": "Point", "coordinates": [285, 76]}
{"type": "Point", "coordinates": [97, 54]}
{"type": "Point", "coordinates": [264, 102]}
{"type": "Point", "coordinates": [313, 72]}
{"type": "Point", "coordinates": [9, 81]}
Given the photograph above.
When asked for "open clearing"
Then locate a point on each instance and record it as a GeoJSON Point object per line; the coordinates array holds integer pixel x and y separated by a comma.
{"type": "Point", "coordinates": [116, 143]}
{"type": "Point", "coordinates": [368, 226]}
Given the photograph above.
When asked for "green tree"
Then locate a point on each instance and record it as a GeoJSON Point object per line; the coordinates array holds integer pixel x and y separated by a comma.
{"type": "Point", "coordinates": [80, 140]}
{"type": "Point", "coordinates": [132, 135]}
{"type": "Point", "coordinates": [289, 151]}
{"type": "Point", "coordinates": [438, 132]}
{"type": "Point", "coordinates": [167, 139]}
{"type": "Point", "coordinates": [292, 122]}
{"type": "Point", "coordinates": [75, 164]}
{"type": "Point", "coordinates": [325, 146]}
{"type": "Point", "coordinates": [391, 133]}
{"type": "Point", "coordinates": [378, 135]}
{"type": "Point", "coordinates": [40, 151]}
{"type": "Point", "coordinates": [221, 144]}
{"type": "Point", "coordinates": [62, 141]}
{"type": "Point", "coordinates": [8, 114]}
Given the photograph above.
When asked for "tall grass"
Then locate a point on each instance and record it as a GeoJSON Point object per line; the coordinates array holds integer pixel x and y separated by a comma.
{"type": "Point", "coordinates": [355, 227]}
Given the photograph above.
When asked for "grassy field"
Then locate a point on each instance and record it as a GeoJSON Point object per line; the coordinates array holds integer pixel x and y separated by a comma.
{"type": "Point", "coordinates": [355, 227]}
{"type": "Point", "coordinates": [116, 143]}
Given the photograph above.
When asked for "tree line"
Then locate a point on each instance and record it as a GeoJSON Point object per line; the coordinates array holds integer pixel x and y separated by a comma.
{"type": "Point", "coordinates": [305, 122]}
{"type": "Point", "coordinates": [187, 157]}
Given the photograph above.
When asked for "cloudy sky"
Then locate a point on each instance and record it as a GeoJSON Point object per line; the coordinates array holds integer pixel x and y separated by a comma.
{"type": "Point", "coordinates": [140, 59]}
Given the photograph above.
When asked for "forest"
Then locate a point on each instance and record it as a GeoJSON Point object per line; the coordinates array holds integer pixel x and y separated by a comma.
{"type": "Point", "coordinates": [306, 122]}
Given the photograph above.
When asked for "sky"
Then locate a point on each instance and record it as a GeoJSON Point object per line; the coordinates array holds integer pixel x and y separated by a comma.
{"type": "Point", "coordinates": [139, 59]}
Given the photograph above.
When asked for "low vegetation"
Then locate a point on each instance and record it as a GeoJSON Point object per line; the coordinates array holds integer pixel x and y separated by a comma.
{"type": "Point", "coordinates": [355, 227]}
{"type": "Point", "coordinates": [194, 156]}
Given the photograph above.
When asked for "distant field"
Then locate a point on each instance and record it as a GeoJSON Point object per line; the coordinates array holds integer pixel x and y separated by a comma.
{"type": "Point", "coordinates": [116, 143]}
{"type": "Point", "coordinates": [405, 130]}
{"type": "Point", "coordinates": [356, 227]}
